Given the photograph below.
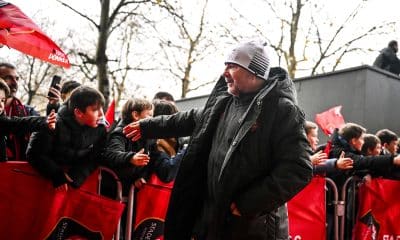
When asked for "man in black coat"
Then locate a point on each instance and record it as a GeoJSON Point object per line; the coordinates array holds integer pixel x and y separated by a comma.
{"type": "Point", "coordinates": [388, 60]}
{"type": "Point", "coordinates": [248, 154]}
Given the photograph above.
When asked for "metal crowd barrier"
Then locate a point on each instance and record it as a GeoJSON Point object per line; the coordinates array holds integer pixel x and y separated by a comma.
{"type": "Point", "coordinates": [117, 234]}
{"type": "Point", "coordinates": [129, 216]}
{"type": "Point", "coordinates": [339, 207]}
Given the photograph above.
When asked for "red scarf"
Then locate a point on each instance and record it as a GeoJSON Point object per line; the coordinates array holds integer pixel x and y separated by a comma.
{"type": "Point", "coordinates": [14, 142]}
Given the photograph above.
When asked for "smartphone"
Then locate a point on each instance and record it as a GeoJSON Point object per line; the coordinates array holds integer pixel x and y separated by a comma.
{"type": "Point", "coordinates": [55, 83]}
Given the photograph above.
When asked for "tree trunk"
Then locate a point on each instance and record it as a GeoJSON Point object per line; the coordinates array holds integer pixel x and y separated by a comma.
{"type": "Point", "coordinates": [101, 57]}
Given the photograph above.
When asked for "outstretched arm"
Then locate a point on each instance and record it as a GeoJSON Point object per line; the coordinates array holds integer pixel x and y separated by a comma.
{"type": "Point", "coordinates": [164, 126]}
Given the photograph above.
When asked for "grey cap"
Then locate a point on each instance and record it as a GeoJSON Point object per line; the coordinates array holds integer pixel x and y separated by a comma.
{"type": "Point", "coordinates": [252, 56]}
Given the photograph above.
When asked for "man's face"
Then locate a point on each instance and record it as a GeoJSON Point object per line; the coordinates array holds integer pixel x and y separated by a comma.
{"type": "Point", "coordinates": [312, 137]}
{"type": "Point", "coordinates": [392, 147]}
{"type": "Point", "coordinates": [91, 117]}
{"type": "Point", "coordinates": [240, 81]}
{"type": "Point", "coordinates": [2, 100]}
{"type": "Point", "coordinates": [10, 76]}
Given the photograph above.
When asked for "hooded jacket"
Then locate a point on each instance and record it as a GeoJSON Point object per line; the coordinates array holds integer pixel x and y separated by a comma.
{"type": "Point", "coordinates": [266, 165]}
{"type": "Point", "coordinates": [72, 148]}
{"type": "Point", "coordinates": [388, 60]}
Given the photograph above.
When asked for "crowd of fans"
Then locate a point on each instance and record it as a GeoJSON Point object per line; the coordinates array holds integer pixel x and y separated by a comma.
{"type": "Point", "coordinates": [68, 146]}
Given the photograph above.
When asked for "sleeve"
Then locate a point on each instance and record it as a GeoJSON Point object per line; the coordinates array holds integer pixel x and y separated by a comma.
{"type": "Point", "coordinates": [328, 167]}
{"type": "Point", "coordinates": [116, 154]}
{"type": "Point", "coordinates": [38, 155]}
{"type": "Point", "coordinates": [292, 169]}
{"type": "Point", "coordinates": [165, 126]}
{"type": "Point", "coordinates": [22, 125]}
{"type": "Point", "coordinates": [166, 167]}
{"type": "Point", "coordinates": [373, 163]}
{"type": "Point", "coordinates": [31, 111]}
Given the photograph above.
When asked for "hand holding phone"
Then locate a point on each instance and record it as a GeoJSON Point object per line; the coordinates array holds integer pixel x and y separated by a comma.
{"type": "Point", "coordinates": [54, 90]}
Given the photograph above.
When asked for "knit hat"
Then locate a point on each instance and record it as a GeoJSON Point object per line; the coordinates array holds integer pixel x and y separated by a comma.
{"type": "Point", "coordinates": [252, 56]}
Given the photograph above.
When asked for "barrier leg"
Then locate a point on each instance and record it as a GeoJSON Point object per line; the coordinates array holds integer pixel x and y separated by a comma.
{"type": "Point", "coordinates": [338, 207]}
{"type": "Point", "coordinates": [129, 215]}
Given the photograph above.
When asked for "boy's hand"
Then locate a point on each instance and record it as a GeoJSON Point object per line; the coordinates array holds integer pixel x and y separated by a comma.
{"type": "Point", "coordinates": [318, 158]}
{"type": "Point", "coordinates": [51, 120]}
{"type": "Point", "coordinates": [234, 210]}
{"type": "Point", "coordinates": [344, 163]}
{"type": "Point", "coordinates": [140, 158]}
{"type": "Point", "coordinates": [56, 93]}
{"type": "Point", "coordinates": [140, 183]}
{"type": "Point", "coordinates": [132, 131]}
{"type": "Point", "coordinates": [396, 160]}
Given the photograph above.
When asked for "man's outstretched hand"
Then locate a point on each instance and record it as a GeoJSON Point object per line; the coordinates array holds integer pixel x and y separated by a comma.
{"type": "Point", "coordinates": [132, 131]}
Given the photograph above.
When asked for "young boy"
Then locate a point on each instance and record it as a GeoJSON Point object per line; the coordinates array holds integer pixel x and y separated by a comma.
{"type": "Point", "coordinates": [389, 141]}
{"type": "Point", "coordinates": [73, 151]}
{"type": "Point", "coordinates": [128, 158]}
{"type": "Point", "coordinates": [18, 125]}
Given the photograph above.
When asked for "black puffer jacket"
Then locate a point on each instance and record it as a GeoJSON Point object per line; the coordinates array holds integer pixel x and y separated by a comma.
{"type": "Point", "coordinates": [265, 166]}
{"type": "Point", "coordinates": [71, 148]}
{"type": "Point", "coordinates": [18, 126]}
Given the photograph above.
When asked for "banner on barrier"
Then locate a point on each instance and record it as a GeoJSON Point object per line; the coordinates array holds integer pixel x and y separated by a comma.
{"type": "Point", "coordinates": [307, 212]}
{"type": "Point", "coordinates": [151, 207]}
{"type": "Point", "coordinates": [32, 209]}
{"type": "Point", "coordinates": [379, 211]}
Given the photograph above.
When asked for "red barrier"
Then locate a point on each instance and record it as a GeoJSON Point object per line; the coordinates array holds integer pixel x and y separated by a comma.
{"type": "Point", "coordinates": [31, 208]}
{"type": "Point", "coordinates": [151, 207]}
{"type": "Point", "coordinates": [307, 212]}
{"type": "Point", "coordinates": [379, 211]}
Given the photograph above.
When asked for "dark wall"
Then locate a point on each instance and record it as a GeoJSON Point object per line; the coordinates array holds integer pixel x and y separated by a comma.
{"type": "Point", "coordinates": [368, 96]}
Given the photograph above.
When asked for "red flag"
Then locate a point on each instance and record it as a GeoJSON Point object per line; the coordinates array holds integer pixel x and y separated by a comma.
{"type": "Point", "coordinates": [330, 119]}
{"type": "Point", "coordinates": [307, 211]}
{"type": "Point", "coordinates": [32, 209]}
{"type": "Point", "coordinates": [19, 32]}
{"type": "Point", "coordinates": [151, 207]}
{"type": "Point", "coordinates": [379, 210]}
{"type": "Point", "coordinates": [110, 114]}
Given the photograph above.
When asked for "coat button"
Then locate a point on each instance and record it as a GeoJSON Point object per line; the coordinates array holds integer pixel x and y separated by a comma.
{"type": "Point", "coordinates": [234, 143]}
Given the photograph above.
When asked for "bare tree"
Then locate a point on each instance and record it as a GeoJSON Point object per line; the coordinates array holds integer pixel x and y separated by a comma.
{"type": "Point", "coordinates": [110, 21]}
{"type": "Point", "coordinates": [301, 39]}
{"type": "Point", "coordinates": [193, 45]}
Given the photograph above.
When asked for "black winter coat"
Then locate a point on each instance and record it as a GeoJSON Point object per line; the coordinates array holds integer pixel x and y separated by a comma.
{"type": "Point", "coordinates": [71, 148]}
{"type": "Point", "coordinates": [388, 61]}
{"type": "Point", "coordinates": [18, 126]}
{"type": "Point", "coordinates": [266, 165]}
